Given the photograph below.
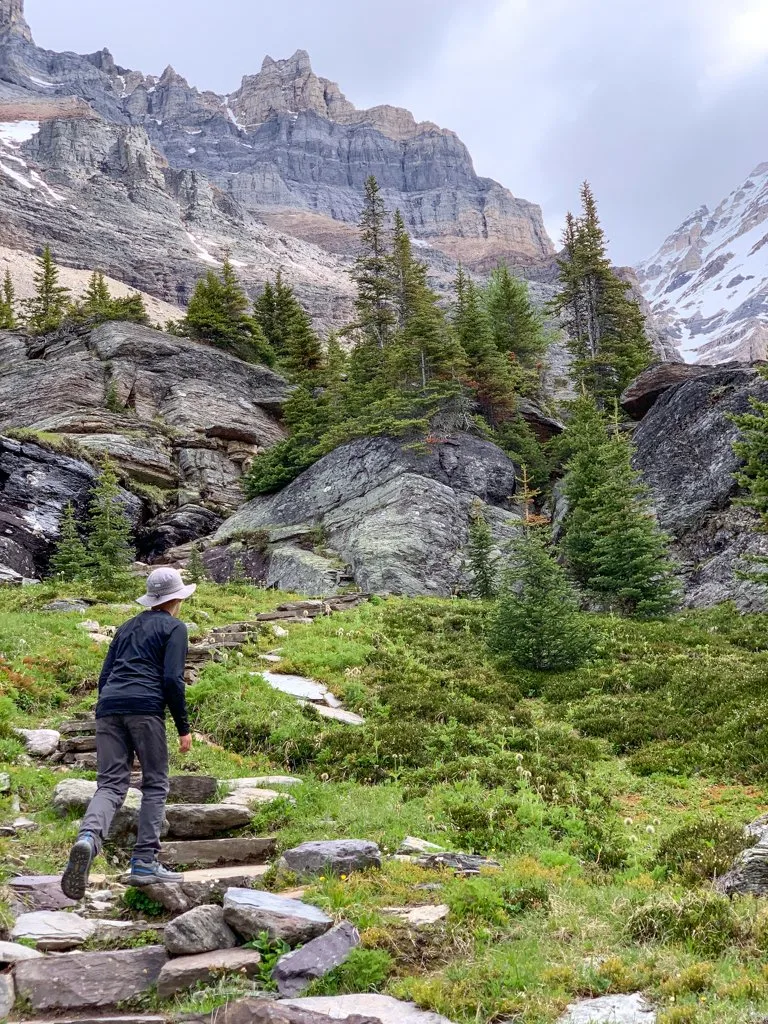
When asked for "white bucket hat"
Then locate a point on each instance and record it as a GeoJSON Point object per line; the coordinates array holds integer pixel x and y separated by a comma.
{"type": "Point", "coordinates": [165, 585]}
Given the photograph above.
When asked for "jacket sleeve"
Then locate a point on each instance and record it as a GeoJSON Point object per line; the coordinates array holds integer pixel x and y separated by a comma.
{"type": "Point", "coordinates": [174, 688]}
{"type": "Point", "coordinates": [109, 661]}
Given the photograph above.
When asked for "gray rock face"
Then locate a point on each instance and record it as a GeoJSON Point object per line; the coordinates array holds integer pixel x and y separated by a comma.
{"type": "Point", "coordinates": [251, 912]}
{"type": "Point", "coordinates": [297, 970]}
{"type": "Point", "coordinates": [187, 971]}
{"type": "Point", "coordinates": [749, 874]}
{"type": "Point", "coordinates": [200, 930]}
{"type": "Point", "coordinates": [333, 856]}
{"type": "Point", "coordinates": [684, 451]}
{"type": "Point", "coordinates": [7, 995]}
{"type": "Point", "coordinates": [177, 527]}
{"type": "Point", "coordinates": [85, 980]}
{"type": "Point", "coordinates": [203, 887]}
{"type": "Point", "coordinates": [200, 821]}
{"type": "Point", "coordinates": [631, 1009]}
{"type": "Point", "coordinates": [397, 516]}
{"type": "Point", "coordinates": [13, 953]}
{"type": "Point", "coordinates": [381, 1008]}
{"type": "Point", "coordinates": [191, 789]}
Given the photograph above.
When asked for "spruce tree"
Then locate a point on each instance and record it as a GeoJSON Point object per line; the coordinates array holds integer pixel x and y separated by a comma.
{"type": "Point", "coordinates": [8, 304]}
{"type": "Point", "coordinates": [70, 560]}
{"type": "Point", "coordinates": [612, 543]}
{"type": "Point", "coordinates": [752, 476]}
{"type": "Point", "coordinates": [373, 272]}
{"type": "Point", "coordinates": [537, 622]}
{"type": "Point", "coordinates": [488, 372]}
{"type": "Point", "coordinates": [196, 566]}
{"type": "Point", "coordinates": [482, 563]}
{"type": "Point", "coordinates": [110, 548]}
{"type": "Point", "coordinates": [46, 310]}
{"type": "Point", "coordinates": [606, 326]}
{"type": "Point", "coordinates": [219, 313]}
{"type": "Point", "coordinates": [517, 325]}
{"type": "Point", "coordinates": [130, 308]}
{"type": "Point", "coordinates": [303, 355]}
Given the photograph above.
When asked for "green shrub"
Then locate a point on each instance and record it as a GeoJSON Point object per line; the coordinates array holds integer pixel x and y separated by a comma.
{"type": "Point", "coordinates": [703, 921]}
{"type": "Point", "coordinates": [365, 970]}
{"type": "Point", "coordinates": [493, 900]}
{"type": "Point", "coordinates": [138, 901]}
{"type": "Point", "coordinates": [703, 849]}
{"type": "Point", "coordinates": [271, 951]}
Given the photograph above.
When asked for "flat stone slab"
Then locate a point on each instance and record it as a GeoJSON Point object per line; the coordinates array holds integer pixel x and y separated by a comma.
{"type": "Point", "coordinates": [192, 789]}
{"type": "Point", "coordinates": [13, 953]}
{"type": "Point", "coordinates": [261, 782]}
{"type": "Point", "coordinates": [63, 605]}
{"type": "Point", "coordinates": [260, 1011]}
{"type": "Point", "coordinates": [631, 1009]}
{"type": "Point", "coordinates": [334, 856]}
{"type": "Point", "coordinates": [39, 892]}
{"type": "Point", "coordinates": [247, 797]}
{"type": "Point", "coordinates": [111, 930]}
{"type": "Point", "coordinates": [419, 917]}
{"type": "Point", "coordinates": [7, 995]}
{"type": "Point", "coordinates": [186, 971]}
{"type": "Point", "coordinates": [206, 886]}
{"type": "Point", "coordinates": [53, 929]}
{"type": "Point", "coordinates": [84, 980]}
{"type": "Point", "coordinates": [339, 715]}
{"type": "Point", "coordinates": [39, 742]}
{"type": "Point", "coordinates": [251, 912]}
{"type": "Point", "coordinates": [384, 1008]}
{"type": "Point", "coordinates": [135, 1018]}
{"type": "Point", "coordinates": [296, 971]}
{"type": "Point", "coordinates": [413, 847]}
{"type": "Point", "coordinates": [215, 852]}
{"type": "Point", "coordinates": [297, 686]}
{"type": "Point", "coordinates": [200, 930]}
{"type": "Point", "coordinates": [203, 821]}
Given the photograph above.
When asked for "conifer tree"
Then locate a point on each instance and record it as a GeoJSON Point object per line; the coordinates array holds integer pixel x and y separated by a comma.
{"type": "Point", "coordinates": [130, 308]}
{"type": "Point", "coordinates": [219, 313]}
{"type": "Point", "coordinates": [303, 354]}
{"type": "Point", "coordinates": [517, 325]}
{"type": "Point", "coordinates": [752, 449]}
{"type": "Point", "coordinates": [606, 326]}
{"type": "Point", "coordinates": [537, 622]}
{"type": "Point", "coordinates": [70, 560]}
{"type": "Point", "coordinates": [46, 310]}
{"type": "Point", "coordinates": [488, 372]}
{"type": "Point", "coordinates": [612, 542]}
{"type": "Point", "coordinates": [373, 273]}
{"type": "Point", "coordinates": [481, 560]}
{"type": "Point", "coordinates": [110, 548]}
{"type": "Point", "coordinates": [8, 304]}
{"type": "Point", "coordinates": [196, 566]}
{"type": "Point", "coordinates": [97, 301]}
{"type": "Point", "coordinates": [264, 310]}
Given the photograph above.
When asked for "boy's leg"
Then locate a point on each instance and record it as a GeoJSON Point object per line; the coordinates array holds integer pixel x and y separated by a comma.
{"type": "Point", "coordinates": [114, 755]}
{"type": "Point", "coordinates": [149, 739]}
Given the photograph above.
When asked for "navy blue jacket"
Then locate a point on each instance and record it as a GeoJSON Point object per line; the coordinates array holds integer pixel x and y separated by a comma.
{"type": "Point", "coordinates": [144, 670]}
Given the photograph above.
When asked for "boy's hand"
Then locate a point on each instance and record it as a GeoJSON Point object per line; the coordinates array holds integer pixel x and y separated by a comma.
{"type": "Point", "coordinates": [185, 743]}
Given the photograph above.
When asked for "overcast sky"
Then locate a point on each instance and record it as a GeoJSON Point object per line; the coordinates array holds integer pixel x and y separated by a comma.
{"type": "Point", "coordinates": [660, 103]}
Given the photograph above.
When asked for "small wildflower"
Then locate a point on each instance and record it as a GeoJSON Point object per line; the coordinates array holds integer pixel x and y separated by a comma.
{"type": "Point", "coordinates": [628, 821]}
{"type": "Point", "coordinates": [650, 830]}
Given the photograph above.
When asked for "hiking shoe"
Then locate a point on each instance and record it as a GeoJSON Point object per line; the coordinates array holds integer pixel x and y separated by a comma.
{"type": "Point", "coordinates": [147, 872]}
{"type": "Point", "coordinates": [75, 877]}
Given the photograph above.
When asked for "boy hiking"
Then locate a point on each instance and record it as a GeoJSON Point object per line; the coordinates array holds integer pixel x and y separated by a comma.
{"type": "Point", "coordinates": [142, 676]}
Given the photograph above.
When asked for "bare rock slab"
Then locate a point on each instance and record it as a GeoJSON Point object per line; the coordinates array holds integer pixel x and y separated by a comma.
{"type": "Point", "coordinates": [84, 980]}
{"type": "Point", "coordinates": [333, 856]}
{"type": "Point", "coordinates": [39, 742]}
{"type": "Point", "coordinates": [214, 852]}
{"type": "Point", "coordinates": [749, 873]}
{"type": "Point", "coordinates": [204, 887]}
{"type": "Point", "coordinates": [202, 821]}
{"type": "Point", "coordinates": [257, 1011]}
{"type": "Point", "coordinates": [13, 953]}
{"type": "Point", "coordinates": [411, 846]}
{"type": "Point", "coordinates": [7, 995]}
{"type": "Point", "coordinates": [339, 715]}
{"type": "Point", "coordinates": [381, 1008]}
{"type": "Point", "coordinates": [39, 892]}
{"type": "Point", "coordinates": [419, 917]}
{"type": "Point", "coordinates": [631, 1009]}
{"type": "Point", "coordinates": [192, 789]}
{"type": "Point", "coordinates": [189, 970]}
{"type": "Point", "coordinates": [253, 797]}
{"type": "Point", "coordinates": [297, 686]}
{"type": "Point", "coordinates": [200, 930]}
{"type": "Point", "coordinates": [296, 971]}
{"type": "Point", "coordinates": [53, 929]}
{"type": "Point", "coordinates": [261, 782]}
{"type": "Point", "coordinates": [251, 912]}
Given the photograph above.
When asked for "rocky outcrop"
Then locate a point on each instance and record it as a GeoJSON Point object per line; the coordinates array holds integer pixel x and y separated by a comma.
{"type": "Point", "coordinates": [192, 419]}
{"type": "Point", "coordinates": [396, 512]}
{"type": "Point", "coordinates": [12, 19]}
{"type": "Point", "coordinates": [685, 453]}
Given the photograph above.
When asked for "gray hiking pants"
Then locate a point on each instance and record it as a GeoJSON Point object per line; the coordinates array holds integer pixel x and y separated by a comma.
{"type": "Point", "coordinates": [118, 739]}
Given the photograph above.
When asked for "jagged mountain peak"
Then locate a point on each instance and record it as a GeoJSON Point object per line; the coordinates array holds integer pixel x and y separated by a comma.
{"type": "Point", "coordinates": [12, 18]}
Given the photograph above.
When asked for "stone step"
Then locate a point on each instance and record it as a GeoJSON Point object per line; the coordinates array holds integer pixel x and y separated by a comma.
{"type": "Point", "coordinates": [78, 744]}
{"type": "Point", "coordinates": [185, 971]}
{"type": "Point", "coordinates": [192, 789]}
{"type": "Point", "coordinates": [80, 726]}
{"type": "Point", "coordinates": [88, 980]}
{"type": "Point", "coordinates": [204, 886]}
{"type": "Point", "coordinates": [217, 852]}
{"type": "Point", "coordinates": [205, 821]}
{"type": "Point", "coordinates": [138, 1018]}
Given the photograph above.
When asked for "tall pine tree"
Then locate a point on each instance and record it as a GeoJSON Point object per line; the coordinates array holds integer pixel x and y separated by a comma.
{"type": "Point", "coordinates": [219, 313]}
{"type": "Point", "coordinates": [110, 547]}
{"type": "Point", "coordinates": [8, 320]}
{"type": "Point", "coordinates": [518, 328]}
{"type": "Point", "coordinates": [70, 561]}
{"type": "Point", "coordinates": [372, 273]}
{"type": "Point", "coordinates": [45, 311]}
{"type": "Point", "coordinates": [611, 541]}
{"type": "Point", "coordinates": [605, 324]}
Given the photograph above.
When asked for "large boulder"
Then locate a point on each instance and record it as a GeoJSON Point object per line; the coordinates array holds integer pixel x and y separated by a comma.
{"type": "Point", "coordinates": [296, 971]}
{"type": "Point", "coordinates": [396, 512]}
{"type": "Point", "coordinates": [382, 1008]}
{"type": "Point", "coordinates": [200, 930]}
{"type": "Point", "coordinates": [685, 453]}
{"type": "Point", "coordinates": [332, 856]}
{"type": "Point", "coordinates": [72, 796]}
{"type": "Point", "coordinates": [251, 912]}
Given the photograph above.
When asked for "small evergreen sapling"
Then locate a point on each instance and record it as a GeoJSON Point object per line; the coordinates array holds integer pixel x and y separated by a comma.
{"type": "Point", "coordinates": [196, 566]}
{"type": "Point", "coordinates": [46, 310]}
{"type": "Point", "coordinates": [482, 562]}
{"type": "Point", "coordinates": [70, 560]}
{"type": "Point", "coordinates": [538, 623]}
{"type": "Point", "coordinates": [8, 304]}
{"type": "Point", "coordinates": [110, 547]}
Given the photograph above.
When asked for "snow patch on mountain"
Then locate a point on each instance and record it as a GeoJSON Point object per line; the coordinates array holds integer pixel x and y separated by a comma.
{"type": "Point", "coordinates": [708, 283]}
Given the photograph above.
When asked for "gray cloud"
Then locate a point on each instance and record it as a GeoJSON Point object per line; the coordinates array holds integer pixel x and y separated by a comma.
{"type": "Point", "coordinates": [659, 104]}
